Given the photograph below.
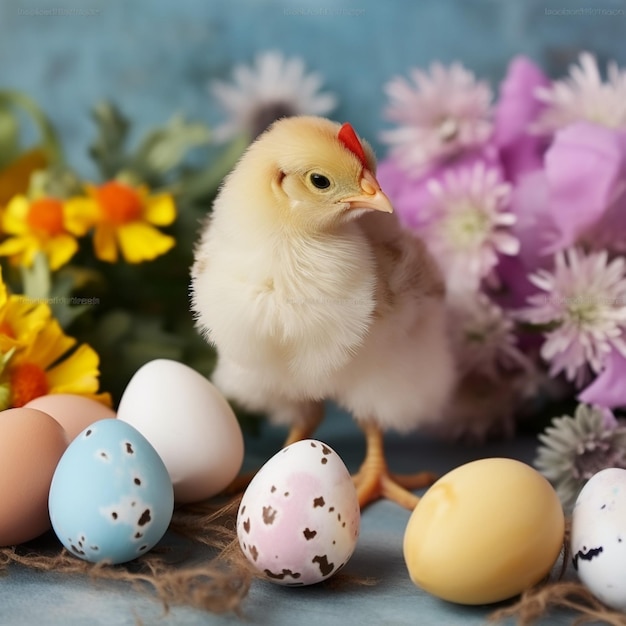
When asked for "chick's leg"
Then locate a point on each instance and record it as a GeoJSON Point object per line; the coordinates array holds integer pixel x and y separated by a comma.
{"type": "Point", "coordinates": [304, 428]}
{"type": "Point", "coordinates": [374, 481]}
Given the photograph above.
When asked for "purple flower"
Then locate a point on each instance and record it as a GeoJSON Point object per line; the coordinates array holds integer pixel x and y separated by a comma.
{"type": "Point", "coordinates": [517, 108]}
{"type": "Point", "coordinates": [608, 389]}
{"type": "Point", "coordinates": [585, 170]}
{"type": "Point", "coordinates": [584, 306]}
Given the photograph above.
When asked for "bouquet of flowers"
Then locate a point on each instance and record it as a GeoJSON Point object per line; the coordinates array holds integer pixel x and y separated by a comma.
{"type": "Point", "coordinates": [105, 261]}
{"type": "Point", "coordinates": [523, 203]}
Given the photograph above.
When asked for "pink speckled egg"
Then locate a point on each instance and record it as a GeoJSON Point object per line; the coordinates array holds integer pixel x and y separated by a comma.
{"type": "Point", "coordinates": [298, 521]}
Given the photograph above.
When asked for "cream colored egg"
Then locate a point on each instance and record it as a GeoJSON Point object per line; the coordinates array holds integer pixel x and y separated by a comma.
{"type": "Point", "coordinates": [484, 532]}
{"type": "Point", "coordinates": [73, 412]}
{"type": "Point", "coordinates": [31, 444]}
{"type": "Point", "coordinates": [189, 423]}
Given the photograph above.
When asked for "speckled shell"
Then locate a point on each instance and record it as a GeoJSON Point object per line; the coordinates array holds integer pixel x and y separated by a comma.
{"type": "Point", "coordinates": [599, 536]}
{"type": "Point", "coordinates": [298, 522]}
{"type": "Point", "coordinates": [111, 497]}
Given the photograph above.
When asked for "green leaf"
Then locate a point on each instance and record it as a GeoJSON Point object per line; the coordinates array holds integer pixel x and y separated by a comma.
{"type": "Point", "coordinates": [165, 148]}
{"type": "Point", "coordinates": [196, 186]}
{"type": "Point", "coordinates": [108, 149]}
{"type": "Point", "coordinates": [9, 137]}
{"type": "Point", "coordinates": [49, 139]}
{"type": "Point", "coordinates": [114, 327]}
{"type": "Point", "coordinates": [57, 182]}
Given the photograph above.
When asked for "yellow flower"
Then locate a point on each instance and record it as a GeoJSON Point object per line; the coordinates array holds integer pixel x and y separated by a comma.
{"type": "Point", "coordinates": [127, 220]}
{"type": "Point", "coordinates": [43, 224]}
{"type": "Point", "coordinates": [20, 318]}
{"type": "Point", "coordinates": [47, 366]}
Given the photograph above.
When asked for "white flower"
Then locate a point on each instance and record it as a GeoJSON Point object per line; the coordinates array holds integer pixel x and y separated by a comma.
{"type": "Point", "coordinates": [445, 113]}
{"type": "Point", "coordinates": [585, 301]}
{"type": "Point", "coordinates": [275, 87]}
{"type": "Point", "coordinates": [573, 449]}
{"type": "Point", "coordinates": [484, 338]}
{"type": "Point", "coordinates": [468, 225]}
{"type": "Point", "coordinates": [584, 96]}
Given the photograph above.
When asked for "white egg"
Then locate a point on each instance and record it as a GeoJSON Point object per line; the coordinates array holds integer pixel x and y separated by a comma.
{"type": "Point", "coordinates": [189, 423]}
{"type": "Point", "coordinates": [298, 521]}
{"type": "Point", "coordinates": [599, 536]}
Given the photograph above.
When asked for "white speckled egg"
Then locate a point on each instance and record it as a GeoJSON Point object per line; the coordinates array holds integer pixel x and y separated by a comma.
{"type": "Point", "coordinates": [599, 536]}
{"type": "Point", "coordinates": [189, 423]}
{"type": "Point", "coordinates": [111, 497]}
{"type": "Point", "coordinates": [298, 521]}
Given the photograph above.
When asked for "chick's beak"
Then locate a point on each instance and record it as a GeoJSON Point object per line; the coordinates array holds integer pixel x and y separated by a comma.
{"type": "Point", "coordinates": [372, 198]}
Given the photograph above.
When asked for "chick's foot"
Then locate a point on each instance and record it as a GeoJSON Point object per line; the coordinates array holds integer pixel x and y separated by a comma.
{"type": "Point", "coordinates": [373, 481]}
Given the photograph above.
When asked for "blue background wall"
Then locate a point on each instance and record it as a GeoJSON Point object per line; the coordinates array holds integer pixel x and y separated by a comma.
{"type": "Point", "coordinates": [155, 57]}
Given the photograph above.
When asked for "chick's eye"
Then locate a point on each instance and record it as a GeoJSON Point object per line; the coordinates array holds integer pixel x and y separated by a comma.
{"type": "Point", "coordinates": [319, 181]}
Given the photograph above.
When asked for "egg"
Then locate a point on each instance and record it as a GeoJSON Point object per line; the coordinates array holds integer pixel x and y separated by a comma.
{"type": "Point", "coordinates": [73, 412]}
{"type": "Point", "coordinates": [598, 538]}
{"type": "Point", "coordinates": [111, 497]}
{"type": "Point", "coordinates": [484, 532]}
{"type": "Point", "coordinates": [189, 423]}
{"type": "Point", "coordinates": [31, 444]}
{"type": "Point", "coordinates": [298, 521]}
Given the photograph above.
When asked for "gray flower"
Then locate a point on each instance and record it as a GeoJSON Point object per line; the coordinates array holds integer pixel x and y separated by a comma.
{"type": "Point", "coordinates": [575, 448]}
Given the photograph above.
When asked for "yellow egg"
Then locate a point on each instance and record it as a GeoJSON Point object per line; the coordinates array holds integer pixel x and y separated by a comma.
{"type": "Point", "coordinates": [484, 532]}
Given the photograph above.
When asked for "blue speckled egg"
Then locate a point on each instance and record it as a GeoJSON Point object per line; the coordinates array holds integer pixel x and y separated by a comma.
{"type": "Point", "coordinates": [111, 497]}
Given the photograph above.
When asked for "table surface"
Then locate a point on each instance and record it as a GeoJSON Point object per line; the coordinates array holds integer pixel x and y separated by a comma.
{"type": "Point", "coordinates": [29, 598]}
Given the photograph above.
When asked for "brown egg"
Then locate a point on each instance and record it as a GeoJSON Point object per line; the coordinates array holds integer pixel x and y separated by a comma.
{"type": "Point", "coordinates": [73, 412]}
{"type": "Point", "coordinates": [31, 444]}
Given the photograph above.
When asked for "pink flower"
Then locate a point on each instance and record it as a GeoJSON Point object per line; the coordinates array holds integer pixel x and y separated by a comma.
{"type": "Point", "coordinates": [468, 224]}
{"type": "Point", "coordinates": [517, 107]}
{"type": "Point", "coordinates": [584, 303]}
{"type": "Point", "coordinates": [483, 336]}
{"type": "Point", "coordinates": [444, 113]}
{"type": "Point", "coordinates": [410, 195]}
{"type": "Point", "coordinates": [584, 96]}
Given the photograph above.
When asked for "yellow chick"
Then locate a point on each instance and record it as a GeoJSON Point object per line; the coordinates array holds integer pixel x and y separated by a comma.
{"type": "Point", "coordinates": [310, 290]}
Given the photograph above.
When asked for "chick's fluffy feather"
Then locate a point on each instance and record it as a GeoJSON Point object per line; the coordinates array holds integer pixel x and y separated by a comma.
{"type": "Point", "coordinates": [302, 309]}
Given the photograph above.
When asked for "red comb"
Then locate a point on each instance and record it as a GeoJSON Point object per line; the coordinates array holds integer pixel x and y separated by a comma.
{"type": "Point", "coordinates": [349, 139]}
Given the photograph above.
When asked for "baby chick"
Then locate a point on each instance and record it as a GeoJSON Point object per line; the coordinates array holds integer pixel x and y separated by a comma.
{"type": "Point", "coordinates": [310, 290]}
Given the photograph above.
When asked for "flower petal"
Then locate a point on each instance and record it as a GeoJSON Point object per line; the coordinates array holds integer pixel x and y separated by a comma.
{"type": "Point", "coordinates": [80, 214]}
{"type": "Point", "coordinates": [78, 373]}
{"type": "Point", "coordinates": [160, 209]}
{"type": "Point", "coordinates": [142, 242]}
{"type": "Point", "coordinates": [104, 243]}
{"type": "Point", "coordinates": [608, 389]}
{"type": "Point", "coordinates": [517, 107]}
{"type": "Point", "coordinates": [583, 168]}
{"type": "Point", "coordinates": [49, 345]}
{"type": "Point", "coordinates": [14, 216]}
{"type": "Point", "coordinates": [60, 250]}
{"type": "Point", "coordinates": [13, 246]}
